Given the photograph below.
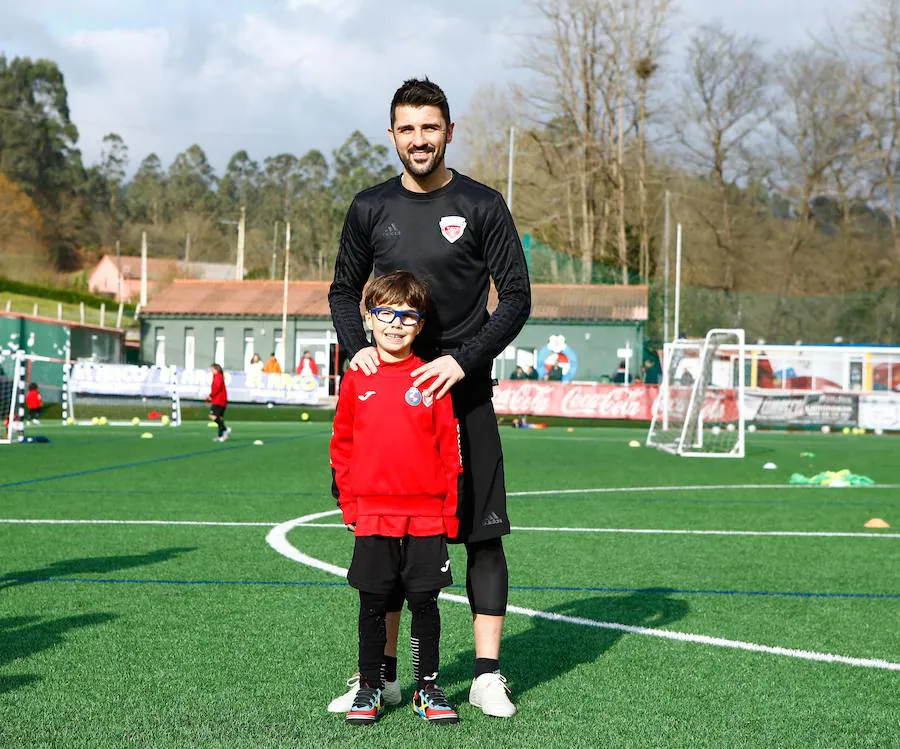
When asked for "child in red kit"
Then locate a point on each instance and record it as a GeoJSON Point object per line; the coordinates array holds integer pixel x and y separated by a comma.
{"type": "Point", "coordinates": [218, 399]}
{"type": "Point", "coordinates": [397, 469]}
{"type": "Point", "coordinates": [34, 403]}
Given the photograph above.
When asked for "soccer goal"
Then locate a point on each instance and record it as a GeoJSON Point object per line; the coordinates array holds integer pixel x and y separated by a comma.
{"type": "Point", "coordinates": [12, 396]}
{"type": "Point", "coordinates": [699, 409]}
{"type": "Point", "coordinates": [120, 395]}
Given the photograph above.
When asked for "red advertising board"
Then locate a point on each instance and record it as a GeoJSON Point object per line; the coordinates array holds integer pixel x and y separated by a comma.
{"type": "Point", "coordinates": [598, 401]}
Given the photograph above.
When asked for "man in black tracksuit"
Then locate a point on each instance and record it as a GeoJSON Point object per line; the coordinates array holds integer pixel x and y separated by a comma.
{"type": "Point", "coordinates": [455, 234]}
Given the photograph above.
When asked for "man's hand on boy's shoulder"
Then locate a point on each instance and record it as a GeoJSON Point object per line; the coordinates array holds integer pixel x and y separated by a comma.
{"type": "Point", "coordinates": [366, 359]}
{"type": "Point", "coordinates": [444, 372]}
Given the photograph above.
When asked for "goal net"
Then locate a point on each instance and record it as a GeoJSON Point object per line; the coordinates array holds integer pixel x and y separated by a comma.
{"type": "Point", "coordinates": [698, 411]}
{"type": "Point", "coordinates": [120, 395]}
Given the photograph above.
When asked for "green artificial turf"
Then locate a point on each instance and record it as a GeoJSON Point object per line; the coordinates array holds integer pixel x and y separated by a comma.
{"type": "Point", "coordinates": [173, 633]}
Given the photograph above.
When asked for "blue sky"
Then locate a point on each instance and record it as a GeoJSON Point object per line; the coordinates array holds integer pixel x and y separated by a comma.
{"type": "Point", "coordinates": [290, 75]}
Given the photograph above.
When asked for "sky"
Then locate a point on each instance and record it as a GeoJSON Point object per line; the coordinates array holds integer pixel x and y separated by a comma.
{"type": "Point", "coordinates": [272, 76]}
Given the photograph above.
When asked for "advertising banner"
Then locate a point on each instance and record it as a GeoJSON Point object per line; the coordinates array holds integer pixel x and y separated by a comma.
{"type": "Point", "coordinates": [880, 411]}
{"type": "Point", "coordinates": [192, 384]}
{"type": "Point", "coordinates": [588, 400]}
{"type": "Point", "coordinates": [802, 409]}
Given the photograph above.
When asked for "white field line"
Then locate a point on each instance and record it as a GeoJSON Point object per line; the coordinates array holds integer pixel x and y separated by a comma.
{"type": "Point", "coordinates": [543, 529]}
{"type": "Point", "coordinates": [41, 521]}
{"type": "Point", "coordinates": [277, 539]}
{"type": "Point", "coordinates": [699, 488]}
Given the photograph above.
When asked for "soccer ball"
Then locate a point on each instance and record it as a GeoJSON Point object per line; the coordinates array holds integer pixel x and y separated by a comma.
{"type": "Point", "coordinates": [165, 420]}
{"type": "Point", "coordinates": [135, 421]}
{"type": "Point", "coordinates": [826, 429]}
{"type": "Point", "coordinates": [95, 421]}
{"type": "Point", "coordinates": [730, 428]}
{"type": "Point", "coordinates": [715, 430]}
{"type": "Point", "coordinates": [103, 421]}
{"type": "Point", "coordinates": [751, 428]}
{"type": "Point", "coordinates": [70, 420]}
{"type": "Point", "coordinates": [304, 416]}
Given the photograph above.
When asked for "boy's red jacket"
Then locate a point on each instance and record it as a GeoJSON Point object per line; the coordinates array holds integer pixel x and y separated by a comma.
{"type": "Point", "coordinates": [395, 455]}
{"type": "Point", "coordinates": [218, 396]}
{"type": "Point", "coordinates": [33, 399]}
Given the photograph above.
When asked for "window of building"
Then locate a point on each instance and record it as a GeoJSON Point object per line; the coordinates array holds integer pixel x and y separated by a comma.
{"type": "Point", "coordinates": [190, 347]}
{"type": "Point", "coordinates": [219, 346]}
{"type": "Point", "coordinates": [248, 346]}
{"type": "Point", "coordinates": [159, 354]}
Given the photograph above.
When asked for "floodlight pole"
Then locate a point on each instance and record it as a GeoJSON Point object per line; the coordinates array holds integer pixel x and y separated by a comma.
{"type": "Point", "coordinates": [284, 298]}
{"type": "Point", "coordinates": [675, 332]}
{"type": "Point", "coordinates": [509, 171]}
{"type": "Point", "coordinates": [667, 240]}
{"type": "Point", "coordinates": [240, 244]}
{"type": "Point", "coordinates": [143, 270]}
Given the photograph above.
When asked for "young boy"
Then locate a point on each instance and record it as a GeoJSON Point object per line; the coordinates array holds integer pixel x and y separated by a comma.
{"type": "Point", "coordinates": [396, 465]}
{"type": "Point", "coordinates": [218, 400]}
{"type": "Point", "coordinates": [34, 403]}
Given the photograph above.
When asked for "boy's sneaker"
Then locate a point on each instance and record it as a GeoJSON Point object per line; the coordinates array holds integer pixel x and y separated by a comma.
{"type": "Point", "coordinates": [491, 694]}
{"type": "Point", "coordinates": [431, 704]}
{"type": "Point", "coordinates": [390, 695]}
{"type": "Point", "coordinates": [367, 707]}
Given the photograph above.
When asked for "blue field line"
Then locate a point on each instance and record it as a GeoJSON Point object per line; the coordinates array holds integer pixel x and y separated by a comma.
{"type": "Point", "coordinates": [138, 463]}
{"type": "Point", "coordinates": [539, 588]}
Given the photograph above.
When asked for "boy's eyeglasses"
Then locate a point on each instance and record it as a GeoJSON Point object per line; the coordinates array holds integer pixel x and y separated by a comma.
{"type": "Point", "coordinates": [387, 315]}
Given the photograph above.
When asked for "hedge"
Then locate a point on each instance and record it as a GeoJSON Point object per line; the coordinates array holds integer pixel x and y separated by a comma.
{"type": "Point", "coordinates": [70, 296]}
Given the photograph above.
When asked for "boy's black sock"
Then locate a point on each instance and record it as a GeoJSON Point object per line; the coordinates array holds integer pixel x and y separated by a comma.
{"type": "Point", "coordinates": [486, 666]}
{"type": "Point", "coordinates": [425, 637]}
{"type": "Point", "coordinates": [389, 668]}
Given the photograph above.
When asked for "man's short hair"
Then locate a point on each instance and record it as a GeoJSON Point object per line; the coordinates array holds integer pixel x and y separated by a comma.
{"type": "Point", "coordinates": [397, 287]}
{"type": "Point", "coordinates": [420, 92]}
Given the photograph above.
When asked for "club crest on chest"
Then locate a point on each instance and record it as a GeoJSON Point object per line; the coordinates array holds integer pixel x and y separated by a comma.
{"type": "Point", "coordinates": [452, 227]}
{"type": "Point", "coordinates": [415, 397]}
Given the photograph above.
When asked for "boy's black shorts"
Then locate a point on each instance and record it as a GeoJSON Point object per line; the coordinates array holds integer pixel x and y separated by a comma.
{"type": "Point", "coordinates": [482, 502]}
{"type": "Point", "coordinates": [217, 411]}
{"type": "Point", "coordinates": [417, 564]}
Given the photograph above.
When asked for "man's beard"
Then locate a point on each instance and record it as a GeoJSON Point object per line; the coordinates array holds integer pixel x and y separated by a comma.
{"type": "Point", "coordinates": [425, 169]}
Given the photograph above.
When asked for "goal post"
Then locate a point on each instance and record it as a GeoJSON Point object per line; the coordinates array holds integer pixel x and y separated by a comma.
{"type": "Point", "coordinates": [699, 411]}
{"type": "Point", "coordinates": [121, 395]}
{"type": "Point", "coordinates": [12, 395]}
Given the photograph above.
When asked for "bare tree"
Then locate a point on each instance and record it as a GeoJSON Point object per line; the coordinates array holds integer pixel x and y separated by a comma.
{"type": "Point", "coordinates": [725, 103]}
{"type": "Point", "coordinates": [816, 128]}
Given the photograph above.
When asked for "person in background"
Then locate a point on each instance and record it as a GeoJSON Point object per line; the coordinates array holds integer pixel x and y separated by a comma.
{"type": "Point", "coordinates": [555, 373]}
{"type": "Point", "coordinates": [254, 371]}
{"type": "Point", "coordinates": [34, 403]}
{"type": "Point", "coordinates": [308, 365]}
{"type": "Point", "coordinates": [531, 374]}
{"type": "Point", "coordinates": [218, 400]}
{"type": "Point", "coordinates": [620, 377]}
{"type": "Point", "coordinates": [652, 372]}
{"type": "Point", "coordinates": [518, 374]}
{"type": "Point", "coordinates": [272, 365]}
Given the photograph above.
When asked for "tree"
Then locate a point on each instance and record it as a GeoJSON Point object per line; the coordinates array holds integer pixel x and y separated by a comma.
{"type": "Point", "coordinates": [191, 183]}
{"type": "Point", "coordinates": [239, 186]}
{"type": "Point", "coordinates": [724, 105]}
{"type": "Point", "coordinates": [358, 164]}
{"type": "Point", "coordinates": [147, 191]}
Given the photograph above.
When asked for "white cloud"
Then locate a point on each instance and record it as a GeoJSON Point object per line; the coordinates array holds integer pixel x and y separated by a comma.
{"type": "Point", "coordinates": [294, 74]}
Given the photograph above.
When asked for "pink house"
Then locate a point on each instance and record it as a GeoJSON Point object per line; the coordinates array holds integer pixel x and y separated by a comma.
{"type": "Point", "coordinates": [122, 280]}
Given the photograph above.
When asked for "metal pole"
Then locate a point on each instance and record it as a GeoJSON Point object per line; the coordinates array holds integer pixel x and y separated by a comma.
{"type": "Point", "coordinates": [143, 269]}
{"type": "Point", "coordinates": [675, 332]}
{"type": "Point", "coordinates": [274, 248]}
{"type": "Point", "coordinates": [284, 299]}
{"type": "Point", "coordinates": [240, 244]}
{"type": "Point", "coordinates": [667, 241]}
{"type": "Point", "coordinates": [509, 173]}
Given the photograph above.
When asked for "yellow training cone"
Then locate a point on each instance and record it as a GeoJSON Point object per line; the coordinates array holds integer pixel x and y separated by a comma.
{"type": "Point", "coordinates": [877, 523]}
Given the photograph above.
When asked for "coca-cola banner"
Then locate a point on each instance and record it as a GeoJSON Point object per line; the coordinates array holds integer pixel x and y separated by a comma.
{"type": "Point", "coordinates": [599, 401]}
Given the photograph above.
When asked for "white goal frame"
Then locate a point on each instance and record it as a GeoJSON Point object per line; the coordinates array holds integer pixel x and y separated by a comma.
{"type": "Point", "coordinates": [691, 438]}
{"type": "Point", "coordinates": [167, 393]}
{"type": "Point", "coordinates": [12, 420]}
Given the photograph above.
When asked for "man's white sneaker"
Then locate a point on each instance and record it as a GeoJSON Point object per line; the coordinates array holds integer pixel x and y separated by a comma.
{"type": "Point", "coordinates": [390, 694]}
{"type": "Point", "coordinates": [491, 694]}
